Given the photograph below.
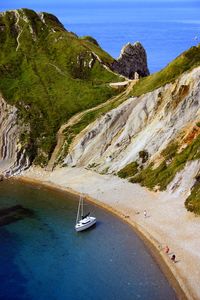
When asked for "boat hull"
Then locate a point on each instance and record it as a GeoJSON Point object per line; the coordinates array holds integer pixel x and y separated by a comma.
{"type": "Point", "coordinates": [85, 224]}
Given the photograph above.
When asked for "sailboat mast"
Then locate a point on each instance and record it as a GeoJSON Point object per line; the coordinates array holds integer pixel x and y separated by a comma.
{"type": "Point", "coordinates": [78, 213]}
{"type": "Point", "coordinates": [81, 206]}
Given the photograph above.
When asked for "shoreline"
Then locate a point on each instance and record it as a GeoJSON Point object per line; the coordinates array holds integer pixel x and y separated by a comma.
{"type": "Point", "coordinates": [151, 241]}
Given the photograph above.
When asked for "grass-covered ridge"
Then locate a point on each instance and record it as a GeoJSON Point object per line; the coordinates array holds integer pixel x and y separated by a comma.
{"type": "Point", "coordinates": [186, 61]}
{"type": "Point", "coordinates": [49, 74]}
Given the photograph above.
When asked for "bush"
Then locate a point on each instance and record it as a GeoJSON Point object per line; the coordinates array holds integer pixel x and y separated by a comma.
{"type": "Point", "coordinates": [129, 170]}
{"type": "Point", "coordinates": [192, 203]}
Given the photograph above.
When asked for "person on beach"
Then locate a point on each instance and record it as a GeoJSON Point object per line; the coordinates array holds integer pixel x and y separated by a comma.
{"type": "Point", "coordinates": [145, 213]}
{"type": "Point", "coordinates": [173, 258]}
{"type": "Point", "coordinates": [166, 249]}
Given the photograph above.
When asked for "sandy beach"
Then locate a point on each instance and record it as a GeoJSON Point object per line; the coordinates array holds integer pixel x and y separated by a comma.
{"type": "Point", "coordinates": [167, 221]}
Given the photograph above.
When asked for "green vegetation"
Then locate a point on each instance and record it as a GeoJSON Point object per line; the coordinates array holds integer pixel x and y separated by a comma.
{"type": "Point", "coordinates": [129, 170]}
{"type": "Point", "coordinates": [192, 203]}
{"type": "Point", "coordinates": [90, 39]}
{"type": "Point", "coordinates": [92, 46]}
{"type": "Point", "coordinates": [170, 151]}
{"type": "Point", "coordinates": [49, 74]}
{"type": "Point", "coordinates": [185, 62]}
{"type": "Point", "coordinates": [91, 116]}
{"type": "Point", "coordinates": [165, 172]}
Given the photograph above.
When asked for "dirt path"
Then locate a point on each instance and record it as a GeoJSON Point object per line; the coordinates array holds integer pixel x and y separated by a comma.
{"type": "Point", "coordinates": [75, 119]}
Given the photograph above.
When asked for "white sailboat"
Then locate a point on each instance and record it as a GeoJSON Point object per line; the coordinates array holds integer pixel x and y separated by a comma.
{"type": "Point", "coordinates": [83, 221]}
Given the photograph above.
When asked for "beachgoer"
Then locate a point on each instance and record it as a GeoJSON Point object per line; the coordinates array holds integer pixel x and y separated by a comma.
{"type": "Point", "coordinates": [145, 213]}
{"type": "Point", "coordinates": [173, 258]}
{"type": "Point", "coordinates": [166, 249]}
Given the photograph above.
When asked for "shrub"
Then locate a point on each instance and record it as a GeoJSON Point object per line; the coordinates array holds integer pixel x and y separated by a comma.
{"type": "Point", "coordinates": [192, 203]}
{"type": "Point", "coordinates": [143, 155]}
{"type": "Point", "coordinates": [129, 170]}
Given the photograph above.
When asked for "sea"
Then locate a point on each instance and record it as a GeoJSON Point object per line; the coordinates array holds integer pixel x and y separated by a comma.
{"type": "Point", "coordinates": [43, 257]}
{"type": "Point", "coordinates": [165, 28]}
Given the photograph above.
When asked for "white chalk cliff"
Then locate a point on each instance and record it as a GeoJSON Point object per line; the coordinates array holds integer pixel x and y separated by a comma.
{"type": "Point", "coordinates": [149, 122]}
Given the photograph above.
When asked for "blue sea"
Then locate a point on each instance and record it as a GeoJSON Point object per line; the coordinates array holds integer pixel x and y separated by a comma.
{"type": "Point", "coordinates": [165, 28]}
{"type": "Point", "coordinates": [42, 257]}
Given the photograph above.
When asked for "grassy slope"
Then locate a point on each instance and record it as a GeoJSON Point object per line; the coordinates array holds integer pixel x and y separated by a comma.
{"type": "Point", "coordinates": [166, 171]}
{"type": "Point", "coordinates": [174, 161]}
{"type": "Point", "coordinates": [49, 78]}
{"type": "Point", "coordinates": [193, 201]}
{"type": "Point", "coordinates": [185, 62]}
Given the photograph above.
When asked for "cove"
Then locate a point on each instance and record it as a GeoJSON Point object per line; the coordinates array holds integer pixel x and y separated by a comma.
{"type": "Point", "coordinates": [42, 257]}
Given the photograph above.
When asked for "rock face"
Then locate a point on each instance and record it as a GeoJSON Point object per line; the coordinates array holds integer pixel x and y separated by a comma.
{"type": "Point", "coordinates": [133, 59]}
{"type": "Point", "coordinates": [149, 122]}
{"type": "Point", "coordinates": [13, 156]}
{"type": "Point", "coordinates": [185, 179]}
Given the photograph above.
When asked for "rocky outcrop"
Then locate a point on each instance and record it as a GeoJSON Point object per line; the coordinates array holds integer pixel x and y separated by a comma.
{"type": "Point", "coordinates": [185, 179]}
{"type": "Point", "coordinates": [13, 156]}
{"type": "Point", "coordinates": [146, 123]}
{"type": "Point", "coordinates": [132, 61]}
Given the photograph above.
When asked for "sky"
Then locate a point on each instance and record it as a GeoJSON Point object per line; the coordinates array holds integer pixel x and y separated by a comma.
{"type": "Point", "coordinates": [52, 4]}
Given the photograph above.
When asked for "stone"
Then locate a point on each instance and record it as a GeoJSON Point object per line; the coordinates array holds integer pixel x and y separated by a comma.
{"type": "Point", "coordinates": [132, 62]}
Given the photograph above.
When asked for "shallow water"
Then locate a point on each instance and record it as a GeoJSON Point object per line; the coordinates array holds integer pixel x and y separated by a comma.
{"type": "Point", "coordinates": [44, 258]}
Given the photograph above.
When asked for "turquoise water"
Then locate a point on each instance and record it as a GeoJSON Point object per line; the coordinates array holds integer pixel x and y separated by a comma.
{"type": "Point", "coordinates": [44, 258]}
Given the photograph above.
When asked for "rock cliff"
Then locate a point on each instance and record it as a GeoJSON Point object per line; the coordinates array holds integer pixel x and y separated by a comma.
{"type": "Point", "coordinates": [132, 61]}
{"type": "Point", "coordinates": [13, 157]}
{"type": "Point", "coordinates": [146, 124]}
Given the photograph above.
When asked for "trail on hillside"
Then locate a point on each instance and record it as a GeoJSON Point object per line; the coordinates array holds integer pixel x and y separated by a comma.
{"type": "Point", "coordinates": [60, 137]}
